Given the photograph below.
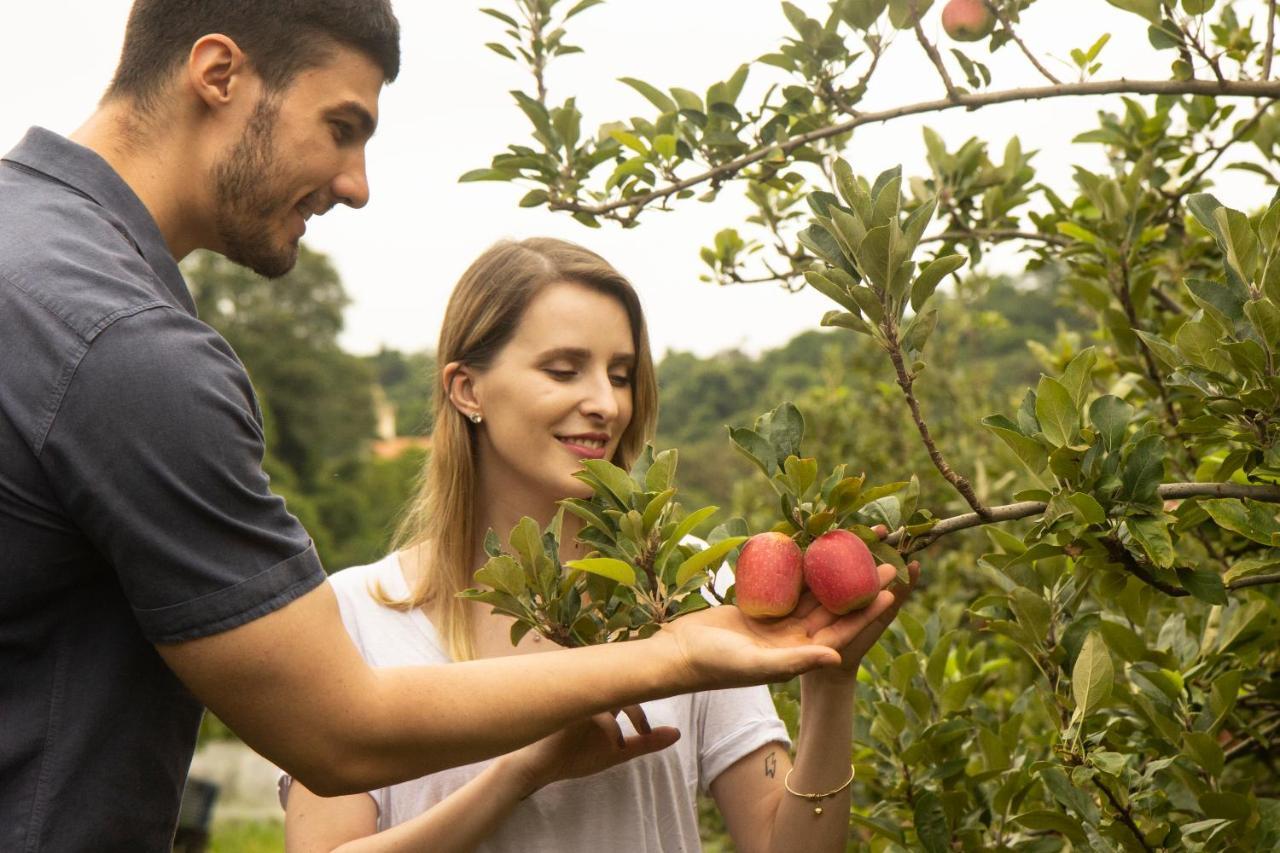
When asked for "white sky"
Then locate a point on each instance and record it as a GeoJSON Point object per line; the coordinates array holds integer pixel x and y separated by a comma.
{"type": "Point", "coordinates": [450, 111]}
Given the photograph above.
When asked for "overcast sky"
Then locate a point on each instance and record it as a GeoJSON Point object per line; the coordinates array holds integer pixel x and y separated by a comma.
{"type": "Point", "coordinates": [450, 111]}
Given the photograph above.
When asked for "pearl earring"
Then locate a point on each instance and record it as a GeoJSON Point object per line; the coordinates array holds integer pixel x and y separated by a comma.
{"type": "Point", "coordinates": [475, 417]}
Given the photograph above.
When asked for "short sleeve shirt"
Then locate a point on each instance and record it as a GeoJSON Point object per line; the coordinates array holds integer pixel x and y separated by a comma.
{"type": "Point", "coordinates": [646, 805]}
{"type": "Point", "coordinates": [133, 507]}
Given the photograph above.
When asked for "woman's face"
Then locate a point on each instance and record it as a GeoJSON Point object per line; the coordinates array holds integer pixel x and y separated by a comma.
{"type": "Point", "coordinates": [559, 392]}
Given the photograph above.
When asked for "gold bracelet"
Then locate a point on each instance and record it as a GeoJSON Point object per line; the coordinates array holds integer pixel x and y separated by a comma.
{"type": "Point", "coordinates": [817, 810]}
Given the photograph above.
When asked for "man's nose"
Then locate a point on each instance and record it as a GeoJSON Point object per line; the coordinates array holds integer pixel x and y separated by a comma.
{"type": "Point", "coordinates": [351, 186]}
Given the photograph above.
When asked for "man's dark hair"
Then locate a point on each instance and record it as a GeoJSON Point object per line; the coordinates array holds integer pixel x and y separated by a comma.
{"type": "Point", "coordinates": [279, 37]}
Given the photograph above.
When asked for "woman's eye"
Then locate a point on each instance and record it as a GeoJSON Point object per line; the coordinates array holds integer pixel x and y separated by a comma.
{"type": "Point", "coordinates": [562, 375]}
{"type": "Point", "coordinates": [620, 380]}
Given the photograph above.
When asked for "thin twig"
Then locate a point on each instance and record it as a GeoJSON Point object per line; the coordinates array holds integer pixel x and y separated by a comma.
{"type": "Point", "coordinates": [1271, 40]}
{"type": "Point", "coordinates": [993, 234]}
{"type": "Point", "coordinates": [1243, 129]}
{"type": "Point", "coordinates": [1200, 49]}
{"type": "Point", "coordinates": [971, 101]}
{"type": "Point", "coordinates": [905, 382]}
{"type": "Point", "coordinates": [1126, 817]}
{"type": "Point", "coordinates": [934, 56]}
{"type": "Point", "coordinates": [1017, 39]}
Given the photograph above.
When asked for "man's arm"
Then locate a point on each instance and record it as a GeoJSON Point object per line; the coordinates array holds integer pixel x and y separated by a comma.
{"type": "Point", "coordinates": [293, 686]}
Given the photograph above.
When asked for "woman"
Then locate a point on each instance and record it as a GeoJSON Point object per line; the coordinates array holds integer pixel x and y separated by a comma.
{"type": "Point", "coordinates": [544, 362]}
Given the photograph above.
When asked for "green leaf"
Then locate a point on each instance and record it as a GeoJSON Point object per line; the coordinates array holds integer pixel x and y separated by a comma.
{"type": "Point", "coordinates": [1031, 452]}
{"type": "Point", "coordinates": [1265, 317]}
{"type": "Point", "coordinates": [931, 275]}
{"type": "Point", "coordinates": [1198, 343]}
{"type": "Point", "coordinates": [918, 330]}
{"type": "Point", "coordinates": [526, 539]}
{"type": "Point", "coordinates": [1110, 416]}
{"type": "Point", "coordinates": [845, 320]}
{"type": "Point", "coordinates": [618, 482]}
{"type": "Point", "coordinates": [1224, 300]}
{"type": "Point", "coordinates": [1143, 470]}
{"type": "Point", "coordinates": [1056, 411]}
{"type": "Point", "coordinates": [1092, 676]}
{"type": "Point", "coordinates": [485, 175]}
{"type": "Point", "coordinates": [709, 556]}
{"type": "Point", "coordinates": [607, 567]}
{"type": "Point", "coordinates": [862, 14]}
{"type": "Point", "coordinates": [1206, 752]}
{"type": "Point", "coordinates": [831, 290]}
{"type": "Point", "coordinates": [661, 474]}
{"type": "Point", "coordinates": [786, 430]}
{"type": "Point", "coordinates": [503, 574]}
{"type": "Point", "coordinates": [1241, 246]}
{"type": "Point", "coordinates": [930, 820]}
{"type": "Point", "coordinates": [652, 94]}
{"type": "Point", "coordinates": [1087, 508]}
{"type": "Point", "coordinates": [1251, 519]}
{"type": "Point", "coordinates": [1204, 585]}
{"type": "Point", "coordinates": [1152, 534]}
{"type": "Point", "coordinates": [1032, 611]}
{"type": "Point", "coordinates": [755, 447]}
{"type": "Point", "coordinates": [683, 529]}
{"type": "Point", "coordinates": [1078, 376]}
{"type": "Point", "coordinates": [1149, 9]}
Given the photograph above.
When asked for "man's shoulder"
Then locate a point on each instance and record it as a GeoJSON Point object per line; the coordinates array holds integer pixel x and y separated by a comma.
{"type": "Point", "coordinates": [65, 258]}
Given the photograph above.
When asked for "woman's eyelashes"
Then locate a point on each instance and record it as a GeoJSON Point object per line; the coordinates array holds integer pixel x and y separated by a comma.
{"type": "Point", "coordinates": [618, 380]}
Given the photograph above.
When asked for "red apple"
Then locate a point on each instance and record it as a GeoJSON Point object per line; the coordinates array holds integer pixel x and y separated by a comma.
{"type": "Point", "coordinates": [968, 20]}
{"type": "Point", "coordinates": [840, 570]}
{"type": "Point", "coordinates": [769, 575]}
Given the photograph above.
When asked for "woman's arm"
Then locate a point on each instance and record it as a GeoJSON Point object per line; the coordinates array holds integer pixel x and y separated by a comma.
{"type": "Point", "coordinates": [466, 817]}
{"type": "Point", "coordinates": [759, 812]}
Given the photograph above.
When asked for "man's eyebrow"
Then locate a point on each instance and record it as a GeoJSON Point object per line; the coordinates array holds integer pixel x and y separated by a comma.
{"type": "Point", "coordinates": [368, 124]}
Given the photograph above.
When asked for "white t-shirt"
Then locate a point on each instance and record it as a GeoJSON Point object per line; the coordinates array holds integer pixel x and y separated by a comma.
{"type": "Point", "coordinates": [647, 804]}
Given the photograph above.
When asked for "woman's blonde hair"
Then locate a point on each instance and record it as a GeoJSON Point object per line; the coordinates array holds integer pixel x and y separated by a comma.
{"type": "Point", "coordinates": [486, 307]}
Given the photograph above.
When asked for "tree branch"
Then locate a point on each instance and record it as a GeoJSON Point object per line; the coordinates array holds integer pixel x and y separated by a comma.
{"type": "Point", "coordinates": [905, 382]}
{"type": "Point", "coordinates": [1027, 509]}
{"type": "Point", "coordinates": [1017, 39]}
{"type": "Point", "coordinates": [971, 101]}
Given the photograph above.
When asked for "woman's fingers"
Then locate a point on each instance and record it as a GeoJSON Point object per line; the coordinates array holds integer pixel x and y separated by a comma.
{"type": "Point", "coordinates": [609, 725]}
{"type": "Point", "coordinates": [639, 721]}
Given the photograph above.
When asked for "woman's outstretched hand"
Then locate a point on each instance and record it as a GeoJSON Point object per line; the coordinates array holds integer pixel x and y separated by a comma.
{"type": "Point", "coordinates": [587, 747]}
{"type": "Point", "coordinates": [723, 647]}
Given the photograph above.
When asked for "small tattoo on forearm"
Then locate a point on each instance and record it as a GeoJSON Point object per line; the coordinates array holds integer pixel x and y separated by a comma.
{"type": "Point", "coordinates": [770, 765]}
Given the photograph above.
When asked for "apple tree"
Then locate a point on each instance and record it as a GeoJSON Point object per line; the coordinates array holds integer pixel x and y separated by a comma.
{"type": "Point", "coordinates": [1094, 660]}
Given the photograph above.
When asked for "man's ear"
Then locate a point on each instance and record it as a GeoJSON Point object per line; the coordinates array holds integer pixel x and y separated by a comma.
{"type": "Point", "coordinates": [219, 72]}
{"type": "Point", "coordinates": [460, 387]}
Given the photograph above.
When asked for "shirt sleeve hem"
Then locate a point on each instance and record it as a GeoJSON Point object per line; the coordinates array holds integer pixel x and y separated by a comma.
{"type": "Point", "coordinates": [739, 743]}
{"type": "Point", "coordinates": [233, 606]}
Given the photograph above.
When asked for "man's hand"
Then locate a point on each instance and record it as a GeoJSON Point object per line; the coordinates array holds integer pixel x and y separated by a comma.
{"type": "Point", "coordinates": [587, 747]}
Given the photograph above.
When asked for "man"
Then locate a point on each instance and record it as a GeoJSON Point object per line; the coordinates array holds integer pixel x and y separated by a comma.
{"type": "Point", "coordinates": [145, 567]}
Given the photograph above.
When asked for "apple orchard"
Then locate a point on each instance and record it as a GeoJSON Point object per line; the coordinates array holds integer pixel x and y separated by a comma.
{"type": "Point", "coordinates": [1092, 660]}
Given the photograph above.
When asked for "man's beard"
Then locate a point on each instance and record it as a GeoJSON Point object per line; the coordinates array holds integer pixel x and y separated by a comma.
{"type": "Point", "coordinates": [246, 192]}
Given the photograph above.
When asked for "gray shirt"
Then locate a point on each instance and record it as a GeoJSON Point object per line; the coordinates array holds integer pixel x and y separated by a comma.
{"type": "Point", "coordinates": [133, 507]}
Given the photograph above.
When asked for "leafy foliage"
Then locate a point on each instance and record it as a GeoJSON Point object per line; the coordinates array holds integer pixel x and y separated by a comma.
{"type": "Point", "coordinates": [1098, 668]}
{"type": "Point", "coordinates": [643, 570]}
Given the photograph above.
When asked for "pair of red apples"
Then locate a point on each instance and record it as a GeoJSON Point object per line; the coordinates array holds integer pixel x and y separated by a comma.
{"type": "Point", "coordinates": [772, 571]}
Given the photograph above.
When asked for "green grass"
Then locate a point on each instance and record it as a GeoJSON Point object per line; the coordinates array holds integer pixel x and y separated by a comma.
{"type": "Point", "coordinates": [247, 837]}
